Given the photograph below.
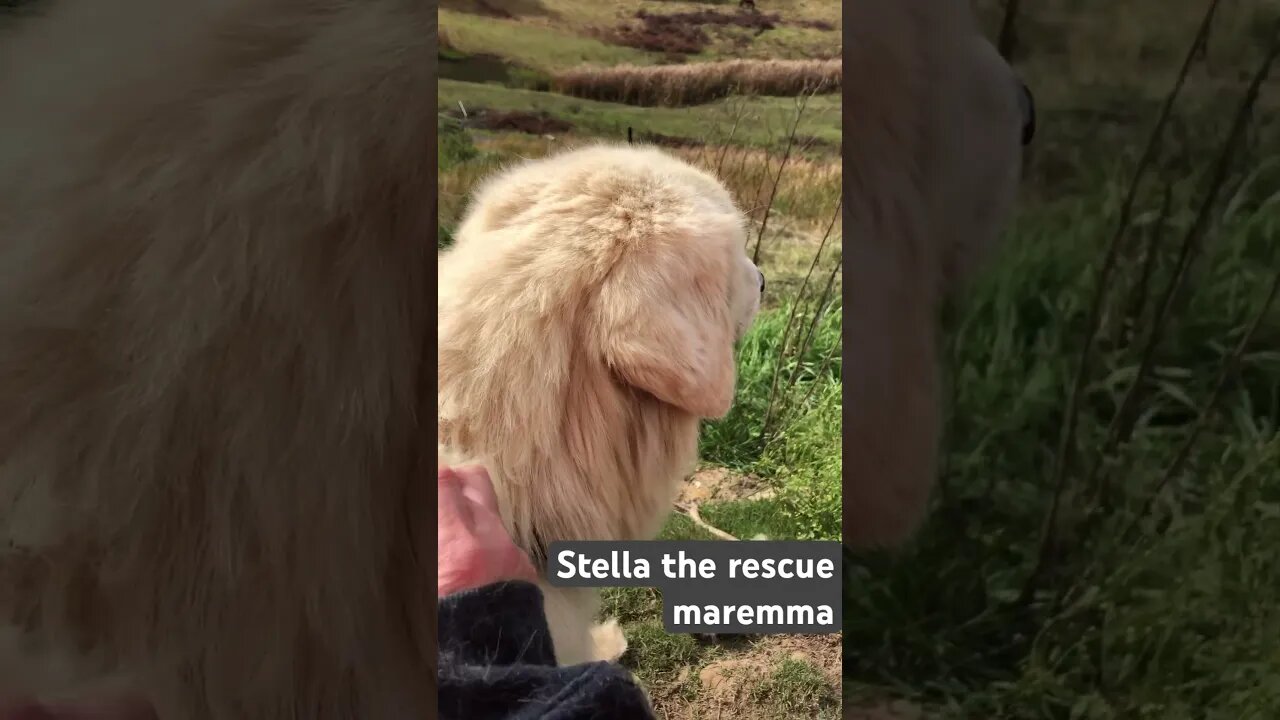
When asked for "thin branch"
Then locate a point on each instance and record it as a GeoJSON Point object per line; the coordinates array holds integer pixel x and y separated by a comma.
{"type": "Point", "coordinates": [691, 511]}
{"type": "Point", "coordinates": [724, 149]}
{"type": "Point", "coordinates": [1121, 427]}
{"type": "Point", "coordinates": [822, 369]}
{"type": "Point", "coordinates": [824, 303]}
{"type": "Point", "coordinates": [1138, 302]}
{"type": "Point", "coordinates": [791, 317]}
{"type": "Point", "coordinates": [802, 101]}
{"type": "Point", "coordinates": [1245, 111]}
{"type": "Point", "coordinates": [1066, 444]}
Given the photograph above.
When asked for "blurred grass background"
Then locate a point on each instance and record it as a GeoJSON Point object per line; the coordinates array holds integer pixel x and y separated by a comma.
{"type": "Point", "coordinates": [1154, 592]}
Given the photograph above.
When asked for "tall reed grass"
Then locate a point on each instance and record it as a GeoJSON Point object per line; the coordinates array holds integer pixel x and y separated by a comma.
{"type": "Point", "coordinates": [695, 83]}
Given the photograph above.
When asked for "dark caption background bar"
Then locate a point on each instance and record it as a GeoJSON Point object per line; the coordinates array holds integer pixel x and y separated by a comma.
{"type": "Point", "coordinates": [721, 590]}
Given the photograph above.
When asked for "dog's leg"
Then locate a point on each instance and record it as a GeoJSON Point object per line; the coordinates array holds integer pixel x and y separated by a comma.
{"type": "Point", "coordinates": [608, 641]}
{"type": "Point", "coordinates": [576, 636]}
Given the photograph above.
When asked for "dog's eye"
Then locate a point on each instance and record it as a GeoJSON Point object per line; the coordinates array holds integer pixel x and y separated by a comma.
{"type": "Point", "coordinates": [761, 274]}
{"type": "Point", "coordinates": [1027, 102]}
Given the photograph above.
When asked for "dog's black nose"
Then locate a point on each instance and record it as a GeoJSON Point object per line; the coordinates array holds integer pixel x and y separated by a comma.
{"type": "Point", "coordinates": [1027, 102]}
{"type": "Point", "coordinates": [761, 274]}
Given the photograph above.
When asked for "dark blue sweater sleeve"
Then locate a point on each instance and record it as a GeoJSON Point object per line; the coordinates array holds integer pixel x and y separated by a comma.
{"type": "Point", "coordinates": [497, 663]}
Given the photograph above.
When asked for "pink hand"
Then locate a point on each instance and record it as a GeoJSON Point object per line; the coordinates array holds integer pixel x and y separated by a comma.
{"type": "Point", "coordinates": [474, 548]}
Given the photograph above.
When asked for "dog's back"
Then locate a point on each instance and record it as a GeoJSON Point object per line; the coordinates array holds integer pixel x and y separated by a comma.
{"type": "Point", "coordinates": [214, 219]}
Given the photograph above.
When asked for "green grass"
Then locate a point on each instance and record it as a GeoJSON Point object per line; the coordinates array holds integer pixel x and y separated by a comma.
{"type": "Point", "coordinates": [802, 455]}
{"type": "Point", "coordinates": [795, 686]}
{"type": "Point", "coordinates": [454, 146]}
{"type": "Point", "coordinates": [769, 117]}
{"type": "Point", "coordinates": [1177, 618]}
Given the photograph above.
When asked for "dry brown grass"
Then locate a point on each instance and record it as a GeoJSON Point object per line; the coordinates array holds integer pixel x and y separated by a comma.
{"type": "Point", "coordinates": [693, 83]}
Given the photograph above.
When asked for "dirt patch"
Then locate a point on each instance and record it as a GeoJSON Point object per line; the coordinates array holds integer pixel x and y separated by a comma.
{"type": "Point", "coordinates": [683, 33]}
{"type": "Point", "coordinates": [533, 123]}
{"type": "Point", "coordinates": [815, 24]}
{"type": "Point", "coordinates": [660, 33]}
{"type": "Point", "coordinates": [719, 485]}
{"type": "Point", "coordinates": [737, 685]}
{"type": "Point", "coordinates": [757, 21]}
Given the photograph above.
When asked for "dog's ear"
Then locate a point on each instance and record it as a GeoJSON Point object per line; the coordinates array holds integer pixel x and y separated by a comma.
{"type": "Point", "coordinates": [665, 328]}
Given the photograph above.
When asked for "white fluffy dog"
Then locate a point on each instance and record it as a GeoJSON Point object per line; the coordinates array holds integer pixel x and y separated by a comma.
{"type": "Point", "coordinates": [933, 157]}
{"type": "Point", "coordinates": [588, 314]}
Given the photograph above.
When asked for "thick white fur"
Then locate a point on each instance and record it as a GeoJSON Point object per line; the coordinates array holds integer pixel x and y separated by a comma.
{"type": "Point", "coordinates": [587, 316]}
{"type": "Point", "coordinates": [215, 219]}
{"type": "Point", "coordinates": [930, 177]}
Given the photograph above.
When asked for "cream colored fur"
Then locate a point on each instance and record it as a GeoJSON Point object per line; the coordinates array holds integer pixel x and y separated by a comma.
{"type": "Point", "coordinates": [215, 227]}
{"type": "Point", "coordinates": [931, 171]}
{"type": "Point", "coordinates": [587, 316]}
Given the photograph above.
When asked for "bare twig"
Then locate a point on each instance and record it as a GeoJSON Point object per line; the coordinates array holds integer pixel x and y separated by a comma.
{"type": "Point", "coordinates": [1224, 160]}
{"type": "Point", "coordinates": [1138, 301]}
{"type": "Point", "coordinates": [791, 317]}
{"type": "Point", "coordinates": [1229, 367]}
{"type": "Point", "coordinates": [802, 101]}
{"type": "Point", "coordinates": [761, 180]}
{"type": "Point", "coordinates": [1066, 444]}
{"type": "Point", "coordinates": [824, 302]}
{"type": "Point", "coordinates": [822, 368]}
{"type": "Point", "coordinates": [724, 149]}
{"type": "Point", "coordinates": [1121, 426]}
{"type": "Point", "coordinates": [691, 511]}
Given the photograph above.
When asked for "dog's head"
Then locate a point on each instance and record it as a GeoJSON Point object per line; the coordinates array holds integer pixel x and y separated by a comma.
{"type": "Point", "coordinates": [624, 257]}
{"type": "Point", "coordinates": [986, 124]}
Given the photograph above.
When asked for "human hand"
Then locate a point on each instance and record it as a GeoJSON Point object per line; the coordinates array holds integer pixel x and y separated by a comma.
{"type": "Point", "coordinates": [474, 548]}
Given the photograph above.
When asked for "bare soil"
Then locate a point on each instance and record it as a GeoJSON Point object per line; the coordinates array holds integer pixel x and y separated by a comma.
{"type": "Point", "coordinates": [719, 484]}
{"type": "Point", "coordinates": [533, 123]}
{"type": "Point", "coordinates": [729, 687]}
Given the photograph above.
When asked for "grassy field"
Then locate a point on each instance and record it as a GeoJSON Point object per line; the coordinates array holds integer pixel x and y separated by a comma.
{"type": "Point", "coordinates": [772, 466]}
{"type": "Point", "coordinates": [1155, 592]}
